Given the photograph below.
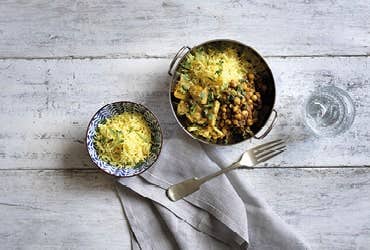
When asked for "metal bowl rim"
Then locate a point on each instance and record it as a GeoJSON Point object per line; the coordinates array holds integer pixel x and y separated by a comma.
{"type": "Point", "coordinates": [174, 76]}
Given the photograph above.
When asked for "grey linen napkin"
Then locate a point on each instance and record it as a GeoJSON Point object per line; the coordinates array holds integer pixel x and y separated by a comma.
{"type": "Point", "coordinates": [224, 214]}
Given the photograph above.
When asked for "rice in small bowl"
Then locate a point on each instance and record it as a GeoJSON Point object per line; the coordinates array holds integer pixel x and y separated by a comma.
{"type": "Point", "coordinates": [124, 139]}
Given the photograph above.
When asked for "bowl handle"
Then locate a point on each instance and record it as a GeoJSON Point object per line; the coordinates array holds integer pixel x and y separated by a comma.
{"type": "Point", "coordinates": [269, 128]}
{"type": "Point", "coordinates": [177, 56]}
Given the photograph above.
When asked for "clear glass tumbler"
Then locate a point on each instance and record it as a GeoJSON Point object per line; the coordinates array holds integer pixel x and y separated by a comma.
{"type": "Point", "coordinates": [329, 111]}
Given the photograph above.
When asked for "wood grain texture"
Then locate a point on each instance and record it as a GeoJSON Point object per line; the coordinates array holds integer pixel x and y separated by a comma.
{"type": "Point", "coordinates": [47, 105]}
{"type": "Point", "coordinates": [79, 209]}
{"type": "Point", "coordinates": [147, 28]}
{"type": "Point", "coordinates": [329, 207]}
{"type": "Point", "coordinates": [60, 210]}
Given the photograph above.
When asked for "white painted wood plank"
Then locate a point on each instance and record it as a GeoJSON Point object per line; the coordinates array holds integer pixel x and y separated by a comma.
{"type": "Point", "coordinates": [74, 210]}
{"type": "Point", "coordinates": [45, 107]}
{"type": "Point", "coordinates": [60, 210]}
{"type": "Point", "coordinates": [328, 207]}
{"type": "Point", "coordinates": [159, 28]}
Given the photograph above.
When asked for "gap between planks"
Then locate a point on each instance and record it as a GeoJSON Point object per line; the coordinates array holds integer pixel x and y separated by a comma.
{"type": "Point", "coordinates": [145, 56]}
{"type": "Point", "coordinates": [257, 168]}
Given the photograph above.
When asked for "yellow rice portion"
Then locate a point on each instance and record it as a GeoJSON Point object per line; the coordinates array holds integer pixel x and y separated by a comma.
{"type": "Point", "coordinates": [123, 140]}
{"type": "Point", "coordinates": [214, 67]}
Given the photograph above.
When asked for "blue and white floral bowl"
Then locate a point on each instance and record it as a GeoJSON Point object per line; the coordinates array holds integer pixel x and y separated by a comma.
{"type": "Point", "coordinates": [117, 108]}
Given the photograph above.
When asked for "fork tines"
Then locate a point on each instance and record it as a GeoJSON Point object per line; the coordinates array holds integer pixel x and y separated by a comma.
{"type": "Point", "coordinates": [268, 150]}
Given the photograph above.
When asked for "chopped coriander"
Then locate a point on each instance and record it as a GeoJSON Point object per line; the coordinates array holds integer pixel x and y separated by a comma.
{"type": "Point", "coordinates": [240, 90]}
{"type": "Point", "coordinates": [186, 77]}
{"type": "Point", "coordinates": [141, 137]}
{"type": "Point", "coordinates": [192, 108]}
{"type": "Point", "coordinates": [185, 88]}
{"type": "Point", "coordinates": [186, 64]}
{"type": "Point", "coordinates": [211, 96]}
{"type": "Point", "coordinates": [224, 86]}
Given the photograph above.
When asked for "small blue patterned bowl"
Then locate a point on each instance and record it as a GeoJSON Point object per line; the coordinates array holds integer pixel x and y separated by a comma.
{"type": "Point", "coordinates": [117, 108]}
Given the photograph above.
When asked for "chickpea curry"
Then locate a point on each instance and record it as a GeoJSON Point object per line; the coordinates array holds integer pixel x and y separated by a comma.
{"type": "Point", "coordinates": [216, 95]}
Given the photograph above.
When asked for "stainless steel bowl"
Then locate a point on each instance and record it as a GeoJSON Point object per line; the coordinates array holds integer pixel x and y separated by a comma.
{"type": "Point", "coordinates": [263, 73]}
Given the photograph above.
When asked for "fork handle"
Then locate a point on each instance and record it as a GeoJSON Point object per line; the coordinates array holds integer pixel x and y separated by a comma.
{"type": "Point", "coordinates": [220, 172]}
{"type": "Point", "coordinates": [189, 186]}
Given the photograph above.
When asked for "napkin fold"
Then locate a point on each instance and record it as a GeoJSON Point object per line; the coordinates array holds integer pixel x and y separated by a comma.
{"type": "Point", "coordinates": [224, 214]}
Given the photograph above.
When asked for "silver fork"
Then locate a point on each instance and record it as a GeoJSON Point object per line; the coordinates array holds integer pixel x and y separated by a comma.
{"type": "Point", "coordinates": [249, 159]}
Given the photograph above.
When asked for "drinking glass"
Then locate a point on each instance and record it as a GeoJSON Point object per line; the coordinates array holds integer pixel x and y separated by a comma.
{"type": "Point", "coordinates": [329, 111]}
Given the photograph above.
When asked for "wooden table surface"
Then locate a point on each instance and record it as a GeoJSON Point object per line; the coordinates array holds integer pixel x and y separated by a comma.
{"type": "Point", "coordinates": [62, 60]}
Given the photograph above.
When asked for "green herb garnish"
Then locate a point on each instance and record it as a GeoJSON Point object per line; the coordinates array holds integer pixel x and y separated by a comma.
{"type": "Point", "coordinates": [240, 90]}
{"type": "Point", "coordinates": [224, 86]}
{"type": "Point", "coordinates": [211, 96]}
{"type": "Point", "coordinates": [185, 88]}
{"type": "Point", "coordinates": [192, 108]}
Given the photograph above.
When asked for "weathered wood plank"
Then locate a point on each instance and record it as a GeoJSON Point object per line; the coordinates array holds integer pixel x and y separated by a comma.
{"type": "Point", "coordinates": [74, 210]}
{"type": "Point", "coordinates": [159, 28]}
{"type": "Point", "coordinates": [46, 105]}
{"type": "Point", "coordinates": [60, 210]}
{"type": "Point", "coordinates": [329, 207]}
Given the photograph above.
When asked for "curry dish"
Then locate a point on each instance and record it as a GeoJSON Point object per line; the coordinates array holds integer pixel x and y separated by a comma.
{"type": "Point", "coordinates": [216, 94]}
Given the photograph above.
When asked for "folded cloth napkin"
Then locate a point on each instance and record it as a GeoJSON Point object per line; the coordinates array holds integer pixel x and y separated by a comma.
{"type": "Point", "coordinates": [224, 214]}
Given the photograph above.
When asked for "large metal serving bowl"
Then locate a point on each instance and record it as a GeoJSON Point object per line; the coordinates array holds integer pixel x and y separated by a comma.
{"type": "Point", "coordinates": [263, 73]}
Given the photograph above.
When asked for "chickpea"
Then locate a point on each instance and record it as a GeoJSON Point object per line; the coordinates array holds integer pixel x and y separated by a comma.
{"type": "Point", "coordinates": [233, 84]}
{"type": "Point", "coordinates": [250, 93]}
{"type": "Point", "coordinates": [250, 101]}
{"type": "Point", "coordinates": [258, 95]}
{"type": "Point", "coordinates": [224, 130]}
{"type": "Point", "coordinates": [251, 77]}
{"type": "Point", "coordinates": [223, 109]}
{"type": "Point", "coordinates": [236, 108]}
{"type": "Point", "coordinates": [249, 122]}
{"type": "Point", "coordinates": [228, 122]}
{"type": "Point", "coordinates": [224, 116]}
{"type": "Point", "coordinates": [231, 106]}
{"type": "Point", "coordinates": [237, 101]}
{"type": "Point", "coordinates": [222, 124]}
{"type": "Point", "coordinates": [254, 97]}
{"type": "Point", "coordinates": [235, 122]}
{"type": "Point", "coordinates": [245, 112]}
{"type": "Point", "coordinates": [243, 100]}
{"type": "Point", "coordinates": [238, 116]}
